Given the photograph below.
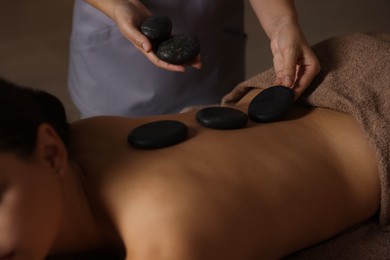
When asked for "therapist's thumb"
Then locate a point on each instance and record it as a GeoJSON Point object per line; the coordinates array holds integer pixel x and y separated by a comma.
{"type": "Point", "coordinates": [131, 32]}
{"type": "Point", "coordinates": [289, 68]}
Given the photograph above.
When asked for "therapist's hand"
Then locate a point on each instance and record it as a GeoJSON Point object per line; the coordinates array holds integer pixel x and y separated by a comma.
{"type": "Point", "coordinates": [128, 15]}
{"type": "Point", "coordinates": [294, 61]}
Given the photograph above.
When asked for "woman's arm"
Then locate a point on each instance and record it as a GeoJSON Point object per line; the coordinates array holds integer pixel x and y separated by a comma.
{"type": "Point", "coordinates": [294, 62]}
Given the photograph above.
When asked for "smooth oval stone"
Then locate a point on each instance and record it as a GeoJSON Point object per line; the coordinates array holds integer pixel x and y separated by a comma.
{"type": "Point", "coordinates": [179, 49]}
{"type": "Point", "coordinates": [271, 104]}
{"type": "Point", "coordinates": [157, 28]}
{"type": "Point", "coordinates": [221, 118]}
{"type": "Point", "coordinates": [158, 134]}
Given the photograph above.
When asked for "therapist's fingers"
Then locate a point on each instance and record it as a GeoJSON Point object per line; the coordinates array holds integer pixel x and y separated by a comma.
{"type": "Point", "coordinates": [128, 16]}
{"type": "Point", "coordinates": [295, 67]}
{"type": "Point", "coordinates": [138, 39]}
{"type": "Point", "coordinates": [164, 65]}
{"type": "Point", "coordinates": [289, 67]}
{"type": "Point", "coordinates": [285, 56]}
{"type": "Point", "coordinates": [129, 27]}
{"type": "Point", "coordinates": [309, 67]}
{"type": "Point", "coordinates": [285, 68]}
{"type": "Point", "coordinates": [278, 67]}
{"type": "Point", "coordinates": [142, 43]}
{"type": "Point", "coordinates": [195, 63]}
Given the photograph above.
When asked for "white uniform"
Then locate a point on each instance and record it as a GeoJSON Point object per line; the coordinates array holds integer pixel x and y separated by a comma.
{"type": "Point", "coordinates": [109, 76]}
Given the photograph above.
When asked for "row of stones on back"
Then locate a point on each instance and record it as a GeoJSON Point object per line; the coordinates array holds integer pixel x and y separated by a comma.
{"type": "Point", "coordinates": [268, 106]}
{"type": "Point", "coordinates": [172, 49]}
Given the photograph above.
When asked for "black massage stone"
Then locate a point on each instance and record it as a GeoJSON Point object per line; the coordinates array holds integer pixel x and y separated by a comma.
{"type": "Point", "coordinates": [158, 134]}
{"type": "Point", "coordinates": [271, 104]}
{"type": "Point", "coordinates": [157, 28]}
{"type": "Point", "coordinates": [223, 118]}
{"type": "Point", "coordinates": [179, 49]}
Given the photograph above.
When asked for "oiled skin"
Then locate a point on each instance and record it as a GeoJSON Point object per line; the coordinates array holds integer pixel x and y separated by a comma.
{"type": "Point", "coordinates": [260, 192]}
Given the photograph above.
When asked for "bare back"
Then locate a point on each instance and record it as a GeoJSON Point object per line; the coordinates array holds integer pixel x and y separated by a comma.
{"type": "Point", "coordinates": [265, 190]}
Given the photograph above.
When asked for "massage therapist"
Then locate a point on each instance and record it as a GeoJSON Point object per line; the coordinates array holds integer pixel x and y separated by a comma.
{"type": "Point", "coordinates": [113, 70]}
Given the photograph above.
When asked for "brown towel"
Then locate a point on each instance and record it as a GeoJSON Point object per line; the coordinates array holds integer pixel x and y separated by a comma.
{"type": "Point", "coordinates": [355, 79]}
{"type": "Point", "coordinates": [368, 242]}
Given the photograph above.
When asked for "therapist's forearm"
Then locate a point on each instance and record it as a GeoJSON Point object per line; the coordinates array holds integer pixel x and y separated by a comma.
{"type": "Point", "coordinates": [105, 6]}
{"type": "Point", "coordinates": [273, 13]}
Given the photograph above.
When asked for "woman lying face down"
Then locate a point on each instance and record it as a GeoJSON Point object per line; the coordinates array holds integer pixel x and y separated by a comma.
{"type": "Point", "coordinates": [261, 192]}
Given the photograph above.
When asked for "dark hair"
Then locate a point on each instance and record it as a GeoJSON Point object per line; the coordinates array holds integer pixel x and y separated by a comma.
{"type": "Point", "coordinates": [22, 110]}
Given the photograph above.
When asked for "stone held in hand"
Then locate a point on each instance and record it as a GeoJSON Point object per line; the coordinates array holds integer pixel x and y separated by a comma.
{"type": "Point", "coordinates": [179, 49]}
{"type": "Point", "coordinates": [158, 134]}
{"type": "Point", "coordinates": [271, 104]}
{"type": "Point", "coordinates": [157, 28]}
{"type": "Point", "coordinates": [223, 118]}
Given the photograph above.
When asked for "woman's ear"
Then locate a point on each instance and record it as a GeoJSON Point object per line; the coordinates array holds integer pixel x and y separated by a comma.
{"type": "Point", "coordinates": [50, 149]}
